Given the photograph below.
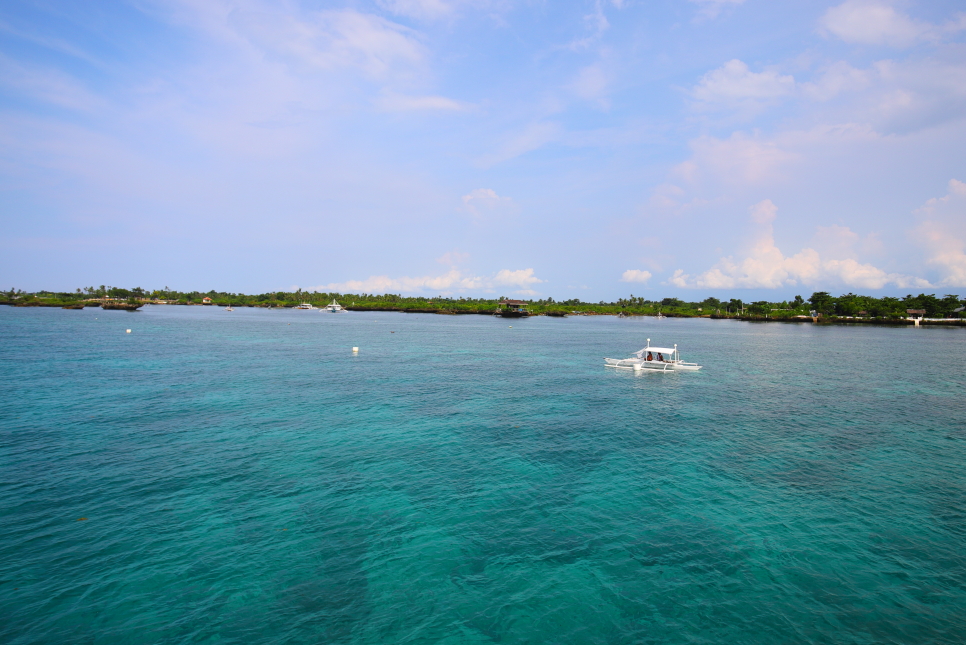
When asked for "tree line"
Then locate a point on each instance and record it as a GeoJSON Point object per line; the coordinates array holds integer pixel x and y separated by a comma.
{"type": "Point", "coordinates": [820, 302]}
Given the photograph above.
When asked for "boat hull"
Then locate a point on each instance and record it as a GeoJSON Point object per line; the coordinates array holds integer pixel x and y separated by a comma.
{"type": "Point", "coordinates": [650, 366]}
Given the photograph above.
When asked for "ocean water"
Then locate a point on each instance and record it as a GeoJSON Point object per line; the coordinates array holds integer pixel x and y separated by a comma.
{"type": "Point", "coordinates": [246, 479]}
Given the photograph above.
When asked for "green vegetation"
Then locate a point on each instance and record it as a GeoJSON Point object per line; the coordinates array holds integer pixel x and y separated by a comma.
{"type": "Point", "coordinates": [846, 307]}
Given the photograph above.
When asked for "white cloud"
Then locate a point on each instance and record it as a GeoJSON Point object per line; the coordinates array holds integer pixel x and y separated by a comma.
{"type": "Point", "coordinates": [452, 258]}
{"type": "Point", "coordinates": [868, 22]}
{"type": "Point", "coordinates": [943, 234]}
{"type": "Point", "coordinates": [946, 253]}
{"type": "Point", "coordinates": [712, 8]}
{"type": "Point", "coordinates": [931, 208]}
{"type": "Point", "coordinates": [392, 102]}
{"type": "Point", "coordinates": [739, 158]}
{"type": "Point", "coordinates": [453, 281]}
{"type": "Point", "coordinates": [334, 39]}
{"type": "Point", "coordinates": [667, 201]}
{"type": "Point", "coordinates": [666, 196]}
{"type": "Point", "coordinates": [912, 95]}
{"type": "Point", "coordinates": [597, 22]}
{"type": "Point", "coordinates": [766, 267]}
{"type": "Point", "coordinates": [591, 84]}
{"type": "Point", "coordinates": [420, 9]}
{"type": "Point", "coordinates": [764, 214]}
{"type": "Point", "coordinates": [733, 84]}
{"type": "Point", "coordinates": [890, 95]}
{"type": "Point", "coordinates": [534, 136]}
{"type": "Point", "coordinates": [522, 278]}
{"type": "Point", "coordinates": [836, 241]}
{"type": "Point", "coordinates": [835, 79]}
{"type": "Point", "coordinates": [429, 10]}
{"type": "Point", "coordinates": [636, 275]}
{"type": "Point", "coordinates": [719, 169]}
{"type": "Point", "coordinates": [483, 203]}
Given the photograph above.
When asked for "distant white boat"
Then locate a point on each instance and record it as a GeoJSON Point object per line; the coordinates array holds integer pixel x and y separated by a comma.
{"type": "Point", "coordinates": [228, 308]}
{"type": "Point", "coordinates": [659, 359]}
{"type": "Point", "coordinates": [334, 307]}
{"type": "Point", "coordinates": [306, 305]}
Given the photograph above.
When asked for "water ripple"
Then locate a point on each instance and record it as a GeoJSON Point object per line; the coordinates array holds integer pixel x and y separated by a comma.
{"type": "Point", "coordinates": [245, 479]}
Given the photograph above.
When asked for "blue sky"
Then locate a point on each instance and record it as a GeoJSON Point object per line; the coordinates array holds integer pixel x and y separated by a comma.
{"type": "Point", "coordinates": [485, 147]}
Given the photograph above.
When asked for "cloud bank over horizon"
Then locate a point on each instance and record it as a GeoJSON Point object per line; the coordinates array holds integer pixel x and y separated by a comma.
{"type": "Point", "coordinates": [247, 145]}
{"type": "Point", "coordinates": [518, 282]}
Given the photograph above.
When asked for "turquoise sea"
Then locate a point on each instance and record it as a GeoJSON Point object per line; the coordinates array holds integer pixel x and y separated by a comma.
{"type": "Point", "coordinates": [246, 479]}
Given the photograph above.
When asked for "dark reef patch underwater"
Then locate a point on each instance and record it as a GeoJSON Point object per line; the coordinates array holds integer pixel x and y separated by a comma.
{"type": "Point", "coordinates": [242, 477]}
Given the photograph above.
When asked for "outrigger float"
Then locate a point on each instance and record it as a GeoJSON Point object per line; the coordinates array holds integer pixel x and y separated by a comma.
{"type": "Point", "coordinates": [655, 359]}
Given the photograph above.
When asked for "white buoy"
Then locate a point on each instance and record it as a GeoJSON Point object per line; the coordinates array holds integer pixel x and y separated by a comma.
{"type": "Point", "coordinates": [511, 326]}
{"type": "Point", "coordinates": [129, 331]}
{"type": "Point", "coordinates": [355, 350]}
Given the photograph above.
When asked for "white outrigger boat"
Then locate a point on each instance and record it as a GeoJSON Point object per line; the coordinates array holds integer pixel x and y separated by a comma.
{"type": "Point", "coordinates": [334, 307]}
{"type": "Point", "coordinates": [657, 359]}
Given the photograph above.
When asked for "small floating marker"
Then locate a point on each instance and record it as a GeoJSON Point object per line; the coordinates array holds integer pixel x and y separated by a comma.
{"type": "Point", "coordinates": [355, 350]}
{"type": "Point", "coordinates": [511, 326]}
{"type": "Point", "coordinates": [129, 331]}
{"type": "Point", "coordinates": [81, 519]}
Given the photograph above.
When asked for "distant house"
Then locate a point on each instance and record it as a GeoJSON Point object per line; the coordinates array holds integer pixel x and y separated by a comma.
{"type": "Point", "coordinates": [916, 313]}
{"type": "Point", "coordinates": [513, 309]}
{"type": "Point", "coordinates": [206, 300]}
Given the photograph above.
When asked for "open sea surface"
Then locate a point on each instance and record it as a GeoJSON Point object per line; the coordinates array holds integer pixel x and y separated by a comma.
{"type": "Point", "coordinates": [243, 478]}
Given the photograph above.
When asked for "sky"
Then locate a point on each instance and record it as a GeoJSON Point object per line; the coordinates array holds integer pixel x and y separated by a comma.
{"type": "Point", "coordinates": [484, 148]}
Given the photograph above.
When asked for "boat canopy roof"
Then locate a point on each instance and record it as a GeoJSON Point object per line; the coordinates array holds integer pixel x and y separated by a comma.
{"type": "Point", "coordinates": [655, 350]}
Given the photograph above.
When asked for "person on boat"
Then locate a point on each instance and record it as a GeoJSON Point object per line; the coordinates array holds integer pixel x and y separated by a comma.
{"type": "Point", "coordinates": [660, 357]}
{"type": "Point", "coordinates": [650, 356]}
